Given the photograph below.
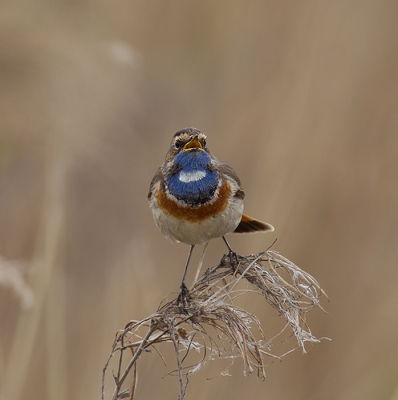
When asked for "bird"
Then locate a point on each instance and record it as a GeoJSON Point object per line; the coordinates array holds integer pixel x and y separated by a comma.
{"type": "Point", "coordinates": [195, 197]}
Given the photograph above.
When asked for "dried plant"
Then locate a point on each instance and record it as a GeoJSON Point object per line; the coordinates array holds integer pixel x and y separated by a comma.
{"type": "Point", "coordinates": [213, 325]}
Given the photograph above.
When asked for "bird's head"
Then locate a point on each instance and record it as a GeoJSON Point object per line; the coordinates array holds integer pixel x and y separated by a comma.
{"type": "Point", "coordinates": [187, 140]}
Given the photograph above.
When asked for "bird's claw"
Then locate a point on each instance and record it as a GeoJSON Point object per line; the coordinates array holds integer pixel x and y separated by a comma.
{"type": "Point", "coordinates": [232, 259]}
{"type": "Point", "coordinates": [183, 296]}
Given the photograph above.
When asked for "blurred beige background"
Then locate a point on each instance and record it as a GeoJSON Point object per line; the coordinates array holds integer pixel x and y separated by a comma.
{"type": "Point", "coordinates": [300, 97]}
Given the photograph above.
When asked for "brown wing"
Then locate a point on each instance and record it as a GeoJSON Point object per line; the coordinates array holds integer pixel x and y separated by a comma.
{"type": "Point", "coordinates": [229, 171]}
{"type": "Point", "coordinates": [155, 180]}
{"type": "Point", "coordinates": [251, 225]}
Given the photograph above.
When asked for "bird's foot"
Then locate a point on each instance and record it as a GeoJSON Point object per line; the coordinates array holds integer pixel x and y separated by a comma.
{"type": "Point", "coordinates": [183, 296]}
{"type": "Point", "coordinates": [232, 259]}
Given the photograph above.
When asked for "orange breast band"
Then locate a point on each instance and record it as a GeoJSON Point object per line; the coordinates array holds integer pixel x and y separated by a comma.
{"type": "Point", "coordinates": [195, 214]}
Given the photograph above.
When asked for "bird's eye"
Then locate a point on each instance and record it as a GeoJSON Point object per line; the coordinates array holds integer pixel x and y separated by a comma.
{"type": "Point", "coordinates": [204, 142]}
{"type": "Point", "coordinates": [178, 144]}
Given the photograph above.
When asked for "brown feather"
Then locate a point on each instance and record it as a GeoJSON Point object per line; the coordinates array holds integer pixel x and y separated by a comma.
{"type": "Point", "coordinates": [251, 225]}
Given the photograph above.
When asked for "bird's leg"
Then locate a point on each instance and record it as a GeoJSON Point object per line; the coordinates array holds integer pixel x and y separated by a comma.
{"type": "Point", "coordinates": [233, 257]}
{"type": "Point", "coordinates": [183, 289]}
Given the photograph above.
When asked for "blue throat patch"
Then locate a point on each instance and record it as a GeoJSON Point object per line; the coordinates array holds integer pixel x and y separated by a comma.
{"type": "Point", "coordinates": [194, 183]}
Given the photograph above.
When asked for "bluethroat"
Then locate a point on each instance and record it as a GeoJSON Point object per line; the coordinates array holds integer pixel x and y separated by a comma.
{"type": "Point", "coordinates": [195, 197]}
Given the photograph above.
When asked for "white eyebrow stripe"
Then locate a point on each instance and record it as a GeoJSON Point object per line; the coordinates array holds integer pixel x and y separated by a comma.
{"type": "Point", "coordinates": [191, 176]}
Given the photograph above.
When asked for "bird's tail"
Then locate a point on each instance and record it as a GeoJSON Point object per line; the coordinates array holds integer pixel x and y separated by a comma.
{"type": "Point", "coordinates": [250, 225]}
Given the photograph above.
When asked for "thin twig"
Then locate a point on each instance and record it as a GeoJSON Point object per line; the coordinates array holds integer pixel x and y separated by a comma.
{"type": "Point", "coordinates": [135, 357]}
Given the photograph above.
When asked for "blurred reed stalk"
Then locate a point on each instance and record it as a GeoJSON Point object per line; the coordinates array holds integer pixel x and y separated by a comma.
{"type": "Point", "coordinates": [48, 286]}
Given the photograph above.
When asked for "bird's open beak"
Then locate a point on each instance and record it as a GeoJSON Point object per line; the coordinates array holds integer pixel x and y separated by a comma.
{"type": "Point", "coordinates": [193, 144]}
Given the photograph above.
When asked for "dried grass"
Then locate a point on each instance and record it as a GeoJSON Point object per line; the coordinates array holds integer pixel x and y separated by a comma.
{"type": "Point", "coordinates": [213, 325]}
